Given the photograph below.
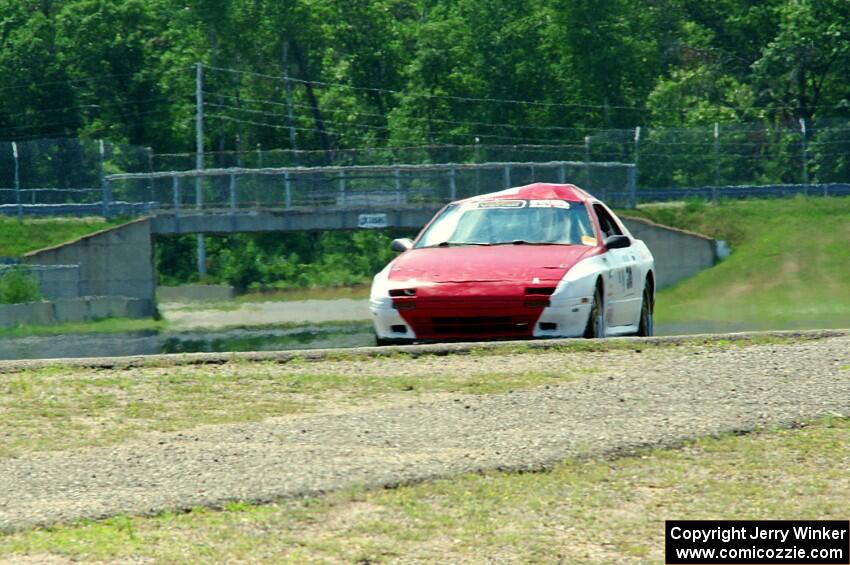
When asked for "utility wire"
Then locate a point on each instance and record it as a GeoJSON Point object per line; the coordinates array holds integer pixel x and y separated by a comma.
{"type": "Point", "coordinates": [66, 81]}
{"type": "Point", "coordinates": [414, 118]}
{"type": "Point", "coordinates": [376, 127]}
{"type": "Point", "coordinates": [89, 106]}
{"type": "Point", "coordinates": [496, 100]}
{"type": "Point", "coordinates": [418, 95]}
{"type": "Point", "coordinates": [75, 121]}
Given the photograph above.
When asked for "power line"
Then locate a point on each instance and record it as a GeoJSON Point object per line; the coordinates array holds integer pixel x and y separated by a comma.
{"type": "Point", "coordinates": [414, 118]}
{"type": "Point", "coordinates": [75, 121]}
{"type": "Point", "coordinates": [66, 81]}
{"type": "Point", "coordinates": [500, 100]}
{"type": "Point", "coordinates": [440, 96]}
{"type": "Point", "coordinates": [376, 127]}
{"type": "Point", "coordinates": [90, 106]}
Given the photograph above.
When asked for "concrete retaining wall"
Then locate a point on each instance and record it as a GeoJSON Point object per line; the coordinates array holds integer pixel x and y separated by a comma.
{"type": "Point", "coordinates": [113, 262]}
{"type": "Point", "coordinates": [54, 281]}
{"type": "Point", "coordinates": [58, 281]}
{"type": "Point", "coordinates": [679, 254]}
{"type": "Point", "coordinates": [195, 292]}
{"type": "Point", "coordinates": [70, 310]}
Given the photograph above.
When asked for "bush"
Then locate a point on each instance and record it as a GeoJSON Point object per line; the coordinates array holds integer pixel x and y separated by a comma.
{"type": "Point", "coordinates": [18, 285]}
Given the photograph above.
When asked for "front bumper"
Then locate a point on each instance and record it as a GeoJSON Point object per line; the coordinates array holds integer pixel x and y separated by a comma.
{"type": "Point", "coordinates": [462, 319]}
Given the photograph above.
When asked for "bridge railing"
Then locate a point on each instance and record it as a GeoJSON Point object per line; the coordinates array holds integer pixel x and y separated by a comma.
{"type": "Point", "coordinates": [357, 186]}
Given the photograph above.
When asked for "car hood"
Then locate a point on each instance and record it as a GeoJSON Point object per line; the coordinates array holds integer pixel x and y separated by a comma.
{"type": "Point", "coordinates": [498, 263]}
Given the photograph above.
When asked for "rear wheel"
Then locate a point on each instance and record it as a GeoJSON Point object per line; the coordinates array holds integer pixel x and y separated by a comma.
{"type": "Point", "coordinates": [645, 327]}
{"type": "Point", "coordinates": [596, 320]}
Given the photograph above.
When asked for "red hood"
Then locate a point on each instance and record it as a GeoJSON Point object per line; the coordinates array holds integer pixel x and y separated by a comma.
{"type": "Point", "coordinates": [515, 263]}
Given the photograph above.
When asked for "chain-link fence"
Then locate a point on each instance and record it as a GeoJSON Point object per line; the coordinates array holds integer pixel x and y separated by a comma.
{"type": "Point", "coordinates": [714, 161]}
{"type": "Point", "coordinates": [363, 185]}
{"type": "Point", "coordinates": [55, 175]}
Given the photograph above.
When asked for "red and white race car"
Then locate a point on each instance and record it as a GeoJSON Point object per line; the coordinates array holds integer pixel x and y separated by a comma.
{"type": "Point", "coordinates": [537, 261]}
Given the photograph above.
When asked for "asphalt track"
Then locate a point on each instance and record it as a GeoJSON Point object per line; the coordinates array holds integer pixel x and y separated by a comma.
{"type": "Point", "coordinates": [639, 396]}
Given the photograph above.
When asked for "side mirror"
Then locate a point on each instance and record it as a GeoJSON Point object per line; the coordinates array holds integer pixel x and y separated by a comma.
{"type": "Point", "coordinates": [618, 242]}
{"type": "Point", "coordinates": [401, 245]}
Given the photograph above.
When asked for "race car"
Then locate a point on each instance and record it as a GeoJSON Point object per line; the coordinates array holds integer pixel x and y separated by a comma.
{"type": "Point", "coordinates": [536, 261]}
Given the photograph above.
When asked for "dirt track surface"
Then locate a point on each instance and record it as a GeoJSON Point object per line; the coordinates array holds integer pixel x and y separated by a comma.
{"type": "Point", "coordinates": [638, 398]}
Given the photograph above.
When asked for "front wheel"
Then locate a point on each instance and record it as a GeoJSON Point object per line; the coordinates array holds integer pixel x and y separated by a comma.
{"type": "Point", "coordinates": [380, 342]}
{"type": "Point", "coordinates": [596, 320]}
{"type": "Point", "coordinates": [645, 327]}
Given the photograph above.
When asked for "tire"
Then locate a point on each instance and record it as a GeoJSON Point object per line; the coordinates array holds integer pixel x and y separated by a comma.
{"type": "Point", "coordinates": [381, 342]}
{"type": "Point", "coordinates": [596, 320]}
{"type": "Point", "coordinates": [645, 327]}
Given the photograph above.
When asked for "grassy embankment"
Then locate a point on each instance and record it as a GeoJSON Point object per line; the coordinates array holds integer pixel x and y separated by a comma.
{"type": "Point", "coordinates": [789, 268]}
{"type": "Point", "coordinates": [18, 238]}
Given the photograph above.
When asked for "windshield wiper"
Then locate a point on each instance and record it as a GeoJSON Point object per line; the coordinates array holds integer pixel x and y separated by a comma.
{"type": "Point", "coordinates": [524, 242]}
{"type": "Point", "coordinates": [457, 243]}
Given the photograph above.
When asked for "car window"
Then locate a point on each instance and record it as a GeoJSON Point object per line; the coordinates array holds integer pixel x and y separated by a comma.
{"type": "Point", "coordinates": [607, 224]}
{"type": "Point", "coordinates": [494, 222]}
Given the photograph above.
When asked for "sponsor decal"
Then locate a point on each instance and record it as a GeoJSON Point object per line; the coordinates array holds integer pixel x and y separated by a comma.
{"type": "Point", "coordinates": [372, 221]}
{"type": "Point", "coordinates": [548, 204]}
{"type": "Point", "coordinates": [499, 204]}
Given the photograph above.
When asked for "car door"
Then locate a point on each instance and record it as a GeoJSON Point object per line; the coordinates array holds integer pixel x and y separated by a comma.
{"type": "Point", "coordinates": [620, 273]}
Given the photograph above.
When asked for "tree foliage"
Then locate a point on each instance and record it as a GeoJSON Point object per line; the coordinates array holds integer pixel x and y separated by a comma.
{"type": "Point", "coordinates": [409, 72]}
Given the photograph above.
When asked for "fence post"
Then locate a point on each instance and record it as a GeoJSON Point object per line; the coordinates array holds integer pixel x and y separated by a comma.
{"type": "Point", "coordinates": [562, 174]}
{"type": "Point", "coordinates": [588, 184]}
{"type": "Point", "coordinates": [633, 183]}
{"type": "Point", "coordinates": [716, 154]}
{"type": "Point", "coordinates": [632, 186]}
{"type": "Point", "coordinates": [805, 154]}
{"type": "Point", "coordinates": [342, 196]}
{"type": "Point", "coordinates": [150, 170]}
{"type": "Point", "coordinates": [107, 197]}
{"type": "Point", "coordinates": [507, 176]}
{"type": "Point", "coordinates": [397, 174]}
{"type": "Point", "coordinates": [232, 188]}
{"type": "Point", "coordinates": [201, 242]}
{"type": "Point", "coordinates": [287, 186]}
{"type": "Point", "coordinates": [175, 191]}
{"type": "Point", "coordinates": [17, 181]}
{"type": "Point", "coordinates": [106, 186]}
{"type": "Point", "coordinates": [452, 185]}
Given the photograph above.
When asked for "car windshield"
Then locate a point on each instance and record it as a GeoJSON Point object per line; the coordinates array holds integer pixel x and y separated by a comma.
{"type": "Point", "coordinates": [499, 222]}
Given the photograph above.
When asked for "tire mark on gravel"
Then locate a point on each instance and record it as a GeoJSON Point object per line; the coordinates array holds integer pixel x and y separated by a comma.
{"type": "Point", "coordinates": [656, 398]}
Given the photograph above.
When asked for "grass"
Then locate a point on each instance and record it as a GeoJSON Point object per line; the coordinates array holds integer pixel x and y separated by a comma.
{"type": "Point", "coordinates": [109, 325]}
{"type": "Point", "coordinates": [20, 237]}
{"type": "Point", "coordinates": [59, 408]}
{"type": "Point", "coordinates": [607, 511]}
{"type": "Point", "coordinates": [789, 267]}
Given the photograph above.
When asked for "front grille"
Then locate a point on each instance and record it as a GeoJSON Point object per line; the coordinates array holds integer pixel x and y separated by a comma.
{"type": "Point", "coordinates": [478, 325]}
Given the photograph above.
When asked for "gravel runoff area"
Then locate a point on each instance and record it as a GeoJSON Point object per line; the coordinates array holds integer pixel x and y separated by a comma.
{"type": "Point", "coordinates": [640, 397]}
